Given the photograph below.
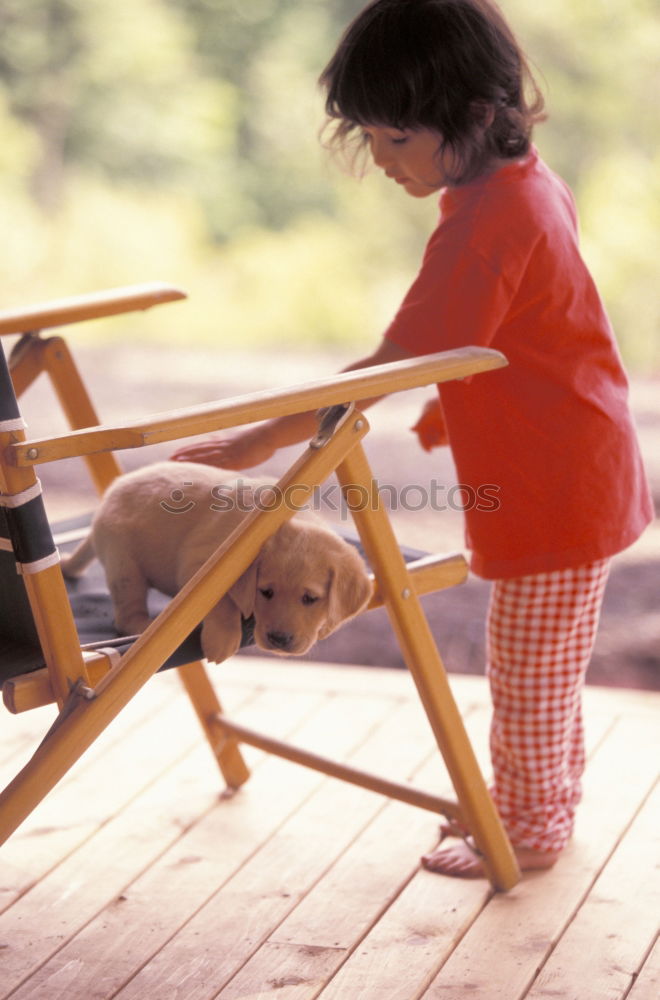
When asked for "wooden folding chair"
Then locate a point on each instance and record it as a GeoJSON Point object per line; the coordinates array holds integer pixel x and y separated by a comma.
{"type": "Point", "coordinates": [42, 659]}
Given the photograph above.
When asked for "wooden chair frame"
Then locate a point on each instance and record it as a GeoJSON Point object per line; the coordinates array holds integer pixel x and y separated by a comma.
{"type": "Point", "coordinates": [91, 687]}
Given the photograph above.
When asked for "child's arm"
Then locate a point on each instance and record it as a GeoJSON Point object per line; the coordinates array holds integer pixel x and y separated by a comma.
{"type": "Point", "coordinates": [258, 442]}
{"type": "Point", "coordinates": [431, 428]}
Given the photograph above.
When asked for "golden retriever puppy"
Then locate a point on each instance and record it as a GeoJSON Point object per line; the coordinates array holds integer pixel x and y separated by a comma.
{"type": "Point", "coordinates": [155, 527]}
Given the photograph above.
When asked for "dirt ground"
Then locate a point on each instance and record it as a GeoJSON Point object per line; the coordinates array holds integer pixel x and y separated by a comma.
{"type": "Point", "coordinates": [128, 381]}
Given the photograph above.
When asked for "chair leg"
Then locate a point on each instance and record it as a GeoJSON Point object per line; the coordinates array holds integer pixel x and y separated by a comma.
{"type": "Point", "coordinates": [423, 660]}
{"type": "Point", "coordinates": [33, 355]}
{"type": "Point", "coordinates": [78, 407]}
{"type": "Point", "coordinates": [204, 700]}
{"type": "Point", "coordinates": [37, 560]}
{"type": "Point", "coordinates": [26, 362]}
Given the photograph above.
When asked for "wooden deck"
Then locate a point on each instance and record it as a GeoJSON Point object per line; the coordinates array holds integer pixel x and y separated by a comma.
{"type": "Point", "coordinates": [135, 880]}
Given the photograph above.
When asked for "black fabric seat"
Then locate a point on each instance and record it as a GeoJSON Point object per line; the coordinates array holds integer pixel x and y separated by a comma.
{"type": "Point", "coordinates": [20, 652]}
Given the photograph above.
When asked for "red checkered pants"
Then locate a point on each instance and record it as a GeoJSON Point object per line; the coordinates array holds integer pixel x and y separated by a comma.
{"type": "Point", "coordinates": [540, 634]}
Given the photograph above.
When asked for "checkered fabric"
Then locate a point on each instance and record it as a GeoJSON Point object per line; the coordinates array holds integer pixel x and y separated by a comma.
{"type": "Point", "coordinates": [540, 634]}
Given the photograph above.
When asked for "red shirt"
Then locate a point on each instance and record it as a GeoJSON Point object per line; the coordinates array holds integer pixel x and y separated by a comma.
{"type": "Point", "coordinates": [552, 432]}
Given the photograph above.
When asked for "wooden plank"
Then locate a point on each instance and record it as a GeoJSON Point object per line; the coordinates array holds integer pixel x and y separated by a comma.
{"type": "Point", "coordinates": [365, 879]}
{"type": "Point", "coordinates": [413, 938]}
{"type": "Point", "coordinates": [414, 934]}
{"type": "Point", "coordinates": [100, 785]}
{"type": "Point", "coordinates": [469, 690]}
{"type": "Point", "coordinates": [162, 897]}
{"type": "Point", "coordinates": [364, 383]}
{"type": "Point", "coordinates": [29, 729]}
{"type": "Point", "coordinates": [95, 876]}
{"type": "Point", "coordinates": [83, 307]}
{"type": "Point", "coordinates": [288, 972]}
{"type": "Point", "coordinates": [647, 984]}
{"type": "Point", "coordinates": [518, 931]}
{"type": "Point", "coordinates": [399, 954]}
{"type": "Point", "coordinates": [609, 938]}
{"type": "Point", "coordinates": [251, 904]}
{"type": "Point", "coordinates": [418, 932]}
{"type": "Point", "coordinates": [245, 911]}
{"type": "Point", "coordinates": [328, 678]}
{"type": "Point", "coordinates": [18, 734]}
{"type": "Point", "coordinates": [178, 811]}
{"type": "Point", "coordinates": [403, 951]}
{"type": "Point", "coordinates": [623, 702]}
{"type": "Point", "coordinates": [534, 916]}
{"type": "Point", "coordinates": [324, 930]}
{"type": "Point", "coordinates": [428, 574]}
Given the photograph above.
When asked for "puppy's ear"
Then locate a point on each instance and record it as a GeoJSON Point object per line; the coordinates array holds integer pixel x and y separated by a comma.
{"type": "Point", "coordinates": [350, 590]}
{"type": "Point", "coordinates": [244, 591]}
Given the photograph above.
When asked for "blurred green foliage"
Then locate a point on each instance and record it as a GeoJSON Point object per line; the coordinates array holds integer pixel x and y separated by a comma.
{"type": "Point", "coordinates": [178, 140]}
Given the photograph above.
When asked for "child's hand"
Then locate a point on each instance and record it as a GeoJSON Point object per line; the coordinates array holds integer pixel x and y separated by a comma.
{"type": "Point", "coordinates": [245, 450]}
{"type": "Point", "coordinates": [431, 428]}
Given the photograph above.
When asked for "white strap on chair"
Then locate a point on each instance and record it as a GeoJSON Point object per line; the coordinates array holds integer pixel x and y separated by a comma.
{"type": "Point", "coordinates": [25, 569]}
{"type": "Point", "coordinates": [14, 502]}
{"type": "Point", "coordinates": [18, 499]}
{"type": "Point", "coordinates": [113, 655]}
{"type": "Point", "coordinates": [15, 424]}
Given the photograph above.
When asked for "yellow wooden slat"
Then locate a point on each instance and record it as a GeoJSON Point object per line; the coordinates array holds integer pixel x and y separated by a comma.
{"type": "Point", "coordinates": [364, 779]}
{"type": "Point", "coordinates": [207, 707]}
{"type": "Point", "coordinates": [365, 383]}
{"type": "Point", "coordinates": [77, 308]}
{"type": "Point", "coordinates": [428, 574]}
{"type": "Point", "coordinates": [77, 406]}
{"type": "Point", "coordinates": [423, 660]}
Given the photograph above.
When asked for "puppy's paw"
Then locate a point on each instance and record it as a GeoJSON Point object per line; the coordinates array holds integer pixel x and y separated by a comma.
{"type": "Point", "coordinates": [222, 631]}
{"type": "Point", "coordinates": [220, 640]}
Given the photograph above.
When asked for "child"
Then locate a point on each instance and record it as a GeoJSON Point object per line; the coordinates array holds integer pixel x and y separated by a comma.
{"type": "Point", "coordinates": [439, 93]}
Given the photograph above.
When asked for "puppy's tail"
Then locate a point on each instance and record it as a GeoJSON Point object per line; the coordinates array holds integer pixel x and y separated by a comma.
{"type": "Point", "coordinates": [77, 561]}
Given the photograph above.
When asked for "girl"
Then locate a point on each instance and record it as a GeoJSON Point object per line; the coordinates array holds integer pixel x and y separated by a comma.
{"type": "Point", "coordinates": [440, 95]}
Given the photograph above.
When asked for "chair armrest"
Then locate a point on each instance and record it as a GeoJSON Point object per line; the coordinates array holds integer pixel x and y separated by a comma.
{"type": "Point", "coordinates": [365, 383]}
{"type": "Point", "coordinates": [83, 307]}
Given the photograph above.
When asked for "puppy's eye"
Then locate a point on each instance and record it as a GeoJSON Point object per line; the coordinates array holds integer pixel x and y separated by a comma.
{"type": "Point", "coordinates": [309, 599]}
{"type": "Point", "coordinates": [267, 593]}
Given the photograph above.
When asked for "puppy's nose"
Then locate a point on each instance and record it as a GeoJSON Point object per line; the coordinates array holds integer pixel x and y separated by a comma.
{"type": "Point", "coordinates": [279, 640]}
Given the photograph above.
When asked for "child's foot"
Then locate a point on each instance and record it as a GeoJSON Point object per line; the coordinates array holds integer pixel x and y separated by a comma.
{"type": "Point", "coordinates": [463, 861]}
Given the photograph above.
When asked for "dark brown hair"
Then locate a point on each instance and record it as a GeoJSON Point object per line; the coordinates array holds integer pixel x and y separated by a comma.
{"type": "Point", "coordinates": [452, 66]}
